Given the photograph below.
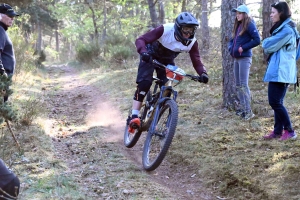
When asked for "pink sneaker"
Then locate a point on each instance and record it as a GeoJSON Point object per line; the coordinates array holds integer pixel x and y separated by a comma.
{"type": "Point", "coordinates": [288, 135]}
{"type": "Point", "coordinates": [271, 136]}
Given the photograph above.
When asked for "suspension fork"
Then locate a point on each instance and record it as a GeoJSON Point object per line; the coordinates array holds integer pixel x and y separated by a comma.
{"type": "Point", "coordinates": [168, 90]}
{"type": "Point", "coordinates": [161, 101]}
{"type": "Point", "coordinates": [157, 109]}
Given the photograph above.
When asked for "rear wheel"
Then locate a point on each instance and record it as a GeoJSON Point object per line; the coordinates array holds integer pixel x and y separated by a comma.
{"type": "Point", "coordinates": [130, 139]}
{"type": "Point", "coordinates": [157, 143]}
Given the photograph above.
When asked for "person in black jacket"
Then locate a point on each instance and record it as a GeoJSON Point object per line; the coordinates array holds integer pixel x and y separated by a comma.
{"type": "Point", "coordinates": [9, 183]}
{"type": "Point", "coordinates": [7, 56]}
{"type": "Point", "coordinates": [244, 37]}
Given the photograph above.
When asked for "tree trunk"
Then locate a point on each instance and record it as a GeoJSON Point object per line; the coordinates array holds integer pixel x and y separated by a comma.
{"type": "Point", "coordinates": [104, 27]}
{"type": "Point", "coordinates": [211, 5]}
{"type": "Point", "coordinates": [153, 15]}
{"type": "Point", "coordinates": [39, 38]}
{"type": "Point", "coordinates": [70, 54]}
{"type": "Point", "coordinates": [161, 9]}
{"type": "Point", "coordinates": [204, 29]}
{"type": "Point", "coordinates": [56, 38]}
{"type": "Point", "coordinates": [267, 22]}
{"type": "Point", "coordinates": [227, 22]}
{"type": "Point", "coordinates": [183, 5]}
{"type": "Point", "coordinates": [96, 33]}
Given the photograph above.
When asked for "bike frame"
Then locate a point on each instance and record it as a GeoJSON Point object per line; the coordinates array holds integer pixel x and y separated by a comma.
{"type": "Point", "coordinates": [161, 100]}
{"type": "Point", "coordinates": [165, 93]}
{"type": "Point", "coordinates": [159, 117]}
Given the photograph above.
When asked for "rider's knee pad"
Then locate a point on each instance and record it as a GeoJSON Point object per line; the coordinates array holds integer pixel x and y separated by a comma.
{"type": "Point", "coordinates": [141, 90]}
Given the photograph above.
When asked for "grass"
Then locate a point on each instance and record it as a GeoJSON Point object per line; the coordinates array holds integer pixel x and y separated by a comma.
{"type": "Point", "coordinates": [229, 154]}
{"type": "Point", "coordinates": [99, 169]}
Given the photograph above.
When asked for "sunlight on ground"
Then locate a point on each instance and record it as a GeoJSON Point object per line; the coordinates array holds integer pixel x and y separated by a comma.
{"type": "Point", "coordinates": [275, 168]}
{"type": "Point", "coordinates": [47, 126]}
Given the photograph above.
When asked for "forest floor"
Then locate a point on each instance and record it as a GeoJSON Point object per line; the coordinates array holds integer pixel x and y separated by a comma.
{"type": "Point", "coordinates": [86, 129]}
{"type": "Point", "coordinates": [74, 148]}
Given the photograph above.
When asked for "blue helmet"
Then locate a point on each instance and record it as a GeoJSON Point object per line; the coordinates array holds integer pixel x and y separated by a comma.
{"type": "Point", "coordinates": [185, 19]}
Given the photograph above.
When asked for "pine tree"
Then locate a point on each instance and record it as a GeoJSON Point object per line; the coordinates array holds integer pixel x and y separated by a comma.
{"type": "Point", "coordinates": [6, 111]}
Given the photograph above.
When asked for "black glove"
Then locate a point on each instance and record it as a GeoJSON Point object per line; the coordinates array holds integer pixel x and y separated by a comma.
{"type": "Point", "coordinates": [204, 78]}
{"type": "Point", "coordinates": [146, 57]}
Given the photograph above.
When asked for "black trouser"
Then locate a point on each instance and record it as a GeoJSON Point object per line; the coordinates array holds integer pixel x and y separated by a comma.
{"type": "Point", "coordinates": [146, 70]}
{"type": "Point", "coordinates": [144, 78]}
{"type": "Point", "coordinates": [12, 188]}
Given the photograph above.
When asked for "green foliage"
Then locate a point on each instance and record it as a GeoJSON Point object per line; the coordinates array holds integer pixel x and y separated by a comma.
{"type": "Point", "coordinates": [120, 47]}
{"type": "Point", "coordinates": [6, 111]}
{"type": "Point", "coordinates": [119, 38]}
{"type": "Point", "coordinates": [5, 82]}
{"type": "Point", "coordinates": [120, 53]}
{"type": "Point", "coordinates": [73, 25]}
{"type": "Point", "coordinates": [18, 2]}
{"type": "Point", "coordinates": [30, 109]}
{"type": "Point", "coordinates": [41, 57]}
{"type": "Point", "coordinates": [51, 54]}
{"type": "Point", "coordinates": [86, 53]}
{"type": "Point", "coordinates": [24, 50]}
{"type": "Point", "coordinates": [126, 20]}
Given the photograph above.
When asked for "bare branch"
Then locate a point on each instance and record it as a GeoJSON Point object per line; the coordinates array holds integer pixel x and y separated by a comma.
{"type": "Point", "coordinates": [8, 125]}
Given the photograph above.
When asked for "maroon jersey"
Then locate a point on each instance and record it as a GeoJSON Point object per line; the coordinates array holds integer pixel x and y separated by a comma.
{"type": "Point", "coordinates": [165, 45]}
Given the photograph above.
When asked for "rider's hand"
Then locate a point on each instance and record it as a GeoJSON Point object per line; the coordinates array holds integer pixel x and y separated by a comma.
{"type": "Point", "coordinates": [204, 77]}
{"type": "Point", "coordinates": [146, 57]}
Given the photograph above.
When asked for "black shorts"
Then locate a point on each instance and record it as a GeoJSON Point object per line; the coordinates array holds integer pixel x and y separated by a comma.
{"type": "Point", "coordinates": [146, 70]}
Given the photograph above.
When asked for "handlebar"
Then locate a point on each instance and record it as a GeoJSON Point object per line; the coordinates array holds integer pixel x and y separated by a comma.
{"type": "Point", "coordinates": [178, 71]}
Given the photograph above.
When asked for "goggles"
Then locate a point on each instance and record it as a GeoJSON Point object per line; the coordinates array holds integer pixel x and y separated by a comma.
{"type": "Point", "coordinates": [188, 30]}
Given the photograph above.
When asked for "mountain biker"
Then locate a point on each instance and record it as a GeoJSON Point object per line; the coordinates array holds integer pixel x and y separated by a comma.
{"type": "Point", "coordinates": [164, 44]}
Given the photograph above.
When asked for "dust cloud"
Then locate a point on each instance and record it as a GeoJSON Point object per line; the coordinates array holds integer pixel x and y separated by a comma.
{"type": "Point", "coordinates": [105, 114]}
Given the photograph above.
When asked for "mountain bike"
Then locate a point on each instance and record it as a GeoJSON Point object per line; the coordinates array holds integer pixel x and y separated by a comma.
{"type": "Point", "coordinates": [159, 116]}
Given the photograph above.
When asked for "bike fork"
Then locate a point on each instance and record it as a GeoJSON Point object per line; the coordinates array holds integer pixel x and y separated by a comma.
{"type": "Point", "coordinates": [152, 129]}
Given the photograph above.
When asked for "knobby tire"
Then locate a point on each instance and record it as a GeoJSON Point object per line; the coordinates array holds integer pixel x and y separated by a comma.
{"type": "Point", "coordinates": [157, 144]}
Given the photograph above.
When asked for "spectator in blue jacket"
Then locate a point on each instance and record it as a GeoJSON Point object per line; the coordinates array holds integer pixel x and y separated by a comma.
{"type": "Point", "coordinates": [281, 71]}
{"type": "Point", "coordinates": [244, 37]}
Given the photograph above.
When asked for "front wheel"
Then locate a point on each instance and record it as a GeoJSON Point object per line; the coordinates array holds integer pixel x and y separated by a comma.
{"type": "Point", "coordinates": [159, 140]}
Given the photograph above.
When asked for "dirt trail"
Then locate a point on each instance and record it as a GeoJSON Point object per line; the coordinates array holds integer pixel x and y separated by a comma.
{"type": "Point", "coordinates": [78, 112]}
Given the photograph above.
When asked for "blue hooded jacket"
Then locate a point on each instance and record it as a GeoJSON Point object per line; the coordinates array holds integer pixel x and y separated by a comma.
{"type": "Point", "coordinates": [282, 46]}
{"type": "Point", "coordinates": [248, 40]}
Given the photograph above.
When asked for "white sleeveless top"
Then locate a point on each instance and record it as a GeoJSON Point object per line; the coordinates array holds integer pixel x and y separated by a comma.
{"type": "Point", "coordinates": [169, 41]}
